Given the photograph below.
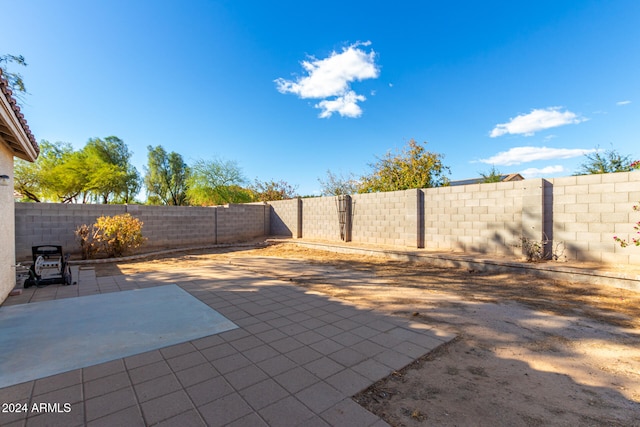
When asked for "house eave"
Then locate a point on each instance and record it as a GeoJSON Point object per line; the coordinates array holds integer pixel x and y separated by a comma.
{"type": "Point", "coordinates": [14, 131]}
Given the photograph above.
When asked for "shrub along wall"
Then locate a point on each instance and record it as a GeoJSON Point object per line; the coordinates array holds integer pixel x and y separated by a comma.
{"type": "Point", "coordinates": [164, 226]}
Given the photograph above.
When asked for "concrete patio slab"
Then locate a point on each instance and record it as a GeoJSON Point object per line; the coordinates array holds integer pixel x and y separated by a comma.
{"type": "Point", "coordinates": [50, 337]}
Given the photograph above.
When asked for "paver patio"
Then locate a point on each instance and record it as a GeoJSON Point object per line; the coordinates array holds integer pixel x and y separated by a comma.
{"type": "Point", "coordinates": [296, 358]}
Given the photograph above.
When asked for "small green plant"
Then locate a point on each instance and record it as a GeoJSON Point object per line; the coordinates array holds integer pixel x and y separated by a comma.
{"type": "Point", "coordinates": [113, 235]}
{"type": "Point", "coordinates": [623, 242]}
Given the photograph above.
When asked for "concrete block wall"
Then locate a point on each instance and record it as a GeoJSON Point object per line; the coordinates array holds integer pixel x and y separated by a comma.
{"type": "Point", "coordinates": [163, 226]}
{"type": "Point", "coordinates": [285, 218]}
{"type": "Point", "coordinates": [175, 226]}
{"type": "Point", "coordinates": [589, 210]}
{"type": "Point", "coordinates": [55, 224]}
{"type": "Point", "coordinates": [266, 218]}
{"type": "Point", "coordinates": [483, 218]}
{"type": "Point", "coordinates": [533, 210]}
{"type": "Point", "coordinates": [580, 215]}
{"type": "Point", "coordinates": [379, 218]}
{"type": "Point", "coordinates": [320, 218]}
{"type": "Point", "coordinates": [389, 218]}
{"type": "Point", "coordinates": [235, 222]}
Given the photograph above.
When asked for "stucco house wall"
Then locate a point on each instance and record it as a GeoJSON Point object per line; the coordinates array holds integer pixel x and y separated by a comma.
{"type": "Point", "coordinates": [7, 226]}
{"type": "Point", "coordinates": [16, 140]}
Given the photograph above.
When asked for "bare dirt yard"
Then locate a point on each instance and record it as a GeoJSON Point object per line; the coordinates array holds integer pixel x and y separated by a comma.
{"type": "Point", "coordinates": [528, 351]}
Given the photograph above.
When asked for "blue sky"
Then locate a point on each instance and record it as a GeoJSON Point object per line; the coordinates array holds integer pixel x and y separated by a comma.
{"type": "Point", "coordinates": [290, 90]}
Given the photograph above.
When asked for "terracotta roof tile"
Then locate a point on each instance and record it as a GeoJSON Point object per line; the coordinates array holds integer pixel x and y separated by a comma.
{"type": "Point", "coordinates": [4, 87]}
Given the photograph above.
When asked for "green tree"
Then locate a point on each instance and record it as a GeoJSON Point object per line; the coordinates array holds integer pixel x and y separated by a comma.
{"type": "Point", "coordinates": [338, 185]}
{"type": "Point", "coordinates": [27, 180]}
{"type": "Point", "coordinates": [604, 162]}
{"type": "Point", "coordinates": [272, 190]}
{"type": "Point", "coordinates": [101, 171]}
{"type": "Point", "coordinates": [493, 175]}
{"type": "Point", "coordinates": [51, 177]}
{"type": "Point", "coordinates": [67, 180]}
{"type": "Point", "coordinates": [216, 182]}
{"type": "Point", "coordinates": [110, 175]}
{"type": "Point", "coordinates": [413, 167]}
{"type": "Point", "coordinates": [16, 83]}
{"type": "Point", "coordinates": [166, 177]}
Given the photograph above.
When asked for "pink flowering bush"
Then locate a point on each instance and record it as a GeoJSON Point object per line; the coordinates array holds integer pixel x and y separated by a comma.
{"type": "Point", "coordinates": [623, 243]}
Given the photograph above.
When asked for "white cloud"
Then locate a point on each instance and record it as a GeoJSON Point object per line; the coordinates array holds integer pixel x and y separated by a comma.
{"type": "Point", "coordinates": [344, 105]}
{"type": "Point", "coordinates": [533, 172]}
{"type": "Point", "coordinates": [330, 79]}
{"type": "Point", "coordinates": [535, 121]}
{"type": "Point", "coordinates": [518, 155]}
{"type": "Point", "coordinates": [623, 102]}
